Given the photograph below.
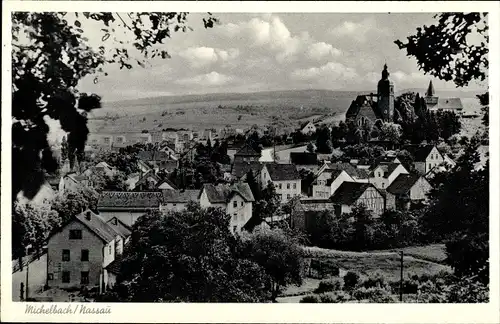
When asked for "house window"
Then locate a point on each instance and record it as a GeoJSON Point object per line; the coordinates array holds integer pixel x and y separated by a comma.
{"type": "Point", "coordinates": [109, 250]}
{"type": "Point", "coordinates": [288, 186]}
{"type": "Point", "coordinates": [50, 276]}
{"type": "Point", "coordinates": [85, 255]}
{"type": "Point", "coordinates": [174, 205]}
{"type": "Point", "coordinates": [235, 216]}
{"type": "Point", "coordinates": [65, 255]}
{"type": "Point", "coordinates": [84, 278]}
{"type": "Point", "coordinates": [119, 140]}
{"type": "Point", "coordinates": [294, 186]}
{"type": "Point", "coordinates": [235, 204]}
{"type": "Point", "coordinates": [430, 166]}
{"type": "Point", "coordinates": [65, 277]}
{"type": "Point", "coordinates": [75, 234]}
{"type": "Point", "coordinates": [287, 196]}
{"type": "Point", "coordinates": [383, 185]}
{"type": "Point", "coordinates": [279, 185]}
{"type": "Point", "coordinates": [106, 140]}
{"type": "Point", "coordinates": [242, 204]}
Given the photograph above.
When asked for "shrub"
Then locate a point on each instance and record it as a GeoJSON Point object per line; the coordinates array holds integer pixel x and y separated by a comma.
{"type": "Point", "coordinates": [468, 291]}
{"type": "Point", "coordinates": [373, 281]}
{"type": "Point", "coordinates": [351, 279]}
{"type": "Point", "coordinates": [311, 299]}
{"type": "Point", "coordinates": [328, 285]}
{"type": "Point", "coordinates": [373, 295]}
{"type": "Point", "coordinates": [334, 297]}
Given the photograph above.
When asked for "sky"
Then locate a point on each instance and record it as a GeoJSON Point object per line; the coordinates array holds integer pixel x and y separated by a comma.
{"type": "Point", "coordinates": [274, 51]}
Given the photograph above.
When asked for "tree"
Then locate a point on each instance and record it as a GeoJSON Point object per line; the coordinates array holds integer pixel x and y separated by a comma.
{"type": "Point", "coordinates": [390, 132]}
{"type": "Point", "coordinates": [459, 213]}
{"type": "Point", "coordinates": [32, 225]}
{"type": "Point", "coordinates": [323, 140]}
{"type": "Point", "coordinates": [71, 203]}
{"type": "Point", "coordinates": [280, 255]}
{"type": "Point", "coordinates": [310, 147]}
{"type": "Point", "coordinates": [50, 55]}
{"type": "Point", "coordinates": [484, 100]}
{"type": "Point", "coordinates": [445, 51]}
{"type": "Point", "coordinates": [188, 256]}
{"type": "Point", "coordinates": [363, 222]}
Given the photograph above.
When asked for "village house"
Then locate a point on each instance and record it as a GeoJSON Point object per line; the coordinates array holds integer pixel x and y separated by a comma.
{"type": "Point", "coordinates": [358, 174]}
{"type": "Point", "coordinates": [80, 252]}
{"type": "Point", "coordinates": [98, 141]}
{"type": "Point", "coordinates": [127, 206]}
{"type": "Point", "coordinates": [236, 200]}
{"type": "Point", "coordinates": [350, 194]}
{"type": "Point", "coordinates": [154, 158]}
{"type": "Point", "coordinates": [177, 200]}
{"type": "Point", "coordinates": [104, 167]}
{"type": "Point", "coordinates": [285, 178]}
{"type": "Point", "coordinates": [246, 154]}
{"type": "Point", "coordinates": [73, 182]}
{"type": "Point", "coordinates": [325, 185]}
{"type": "Point", "coordinates": [240, 170]}
{"type": "Point", "coordinates": [122, 229]}
{"type": "Point", "coordinates": [435, 103]}
{"type": "Point", "coordinates": [406, 189]}
{"type": "Point", "coordinates": [307, 128]}
{"type": "Point", "coordinates": [305, 212]}
{"type": "Point", "coordinates": [384, 174]}
{"type": "Point", "coordinates": [425, 157]}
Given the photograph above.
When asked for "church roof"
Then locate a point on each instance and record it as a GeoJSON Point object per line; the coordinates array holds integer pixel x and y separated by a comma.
{"type": "Point", "coordinates": [247, 150]}
{"type": "Point", "coordinates": [369, 107]}
{"type": "Point", "coordinates": [430, 90]}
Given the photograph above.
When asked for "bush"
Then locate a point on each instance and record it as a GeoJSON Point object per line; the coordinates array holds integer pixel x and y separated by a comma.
{"type": "Point", "coordinates": [334, 297]}
{"type": "Point", "coordinates": [468, 291]}
{"type": "Point", "coordinates": [328, 285]}
{"type": "Point", "coordinates": [351, 279]}
{"type": "Point", "coordinates": [373, 295]}
{"type": "Point", "coordinates": [375, 281]}
{"type": "Point", "coordinates": [311, 299]}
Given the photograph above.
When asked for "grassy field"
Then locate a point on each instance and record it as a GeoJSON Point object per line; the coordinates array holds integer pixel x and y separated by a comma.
{"type": "Point", "coordinates": [418, 260]}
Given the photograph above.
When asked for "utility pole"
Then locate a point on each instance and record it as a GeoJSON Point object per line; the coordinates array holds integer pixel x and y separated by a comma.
{"type": "Point", "coordinates": [401, 279]}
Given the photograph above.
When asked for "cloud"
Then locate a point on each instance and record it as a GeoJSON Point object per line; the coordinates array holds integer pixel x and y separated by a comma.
{"type": "Point", "coordinates": [319, 50]}
{"type": "Point", "coordinates": [210, 79]}
{"type": "Point", "coordinates": [359, 31]}
{"type": "Point", "coordinates": [204, 56]}
{"type": "Point", "coordinates": [330, 71]}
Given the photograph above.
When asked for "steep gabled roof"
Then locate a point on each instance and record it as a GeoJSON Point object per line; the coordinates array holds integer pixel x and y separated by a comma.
{"type": "Point", "coordinates": [421, 152]}
{"type": "Point", "coordinates": [97, 225]}
{"type": "Point", "coordinates": [349, 169]}
{"type": "Point", "coordinates": [180, 196]}
{"type": "Point", "coordinates": [387, 167]}
{"type": "Point", "coordinates": [304, 124]}
{"type": "Point", "coordinates": [303, 158]}
{"type": "Point", "coordinates": [334, 175]}
{"type": "Point", "coordinates": [349, 192]}
{"type": "Point", "coordinates": [240, 169]}
{"type": "Point", "coordinates": [129, 200]}
{"type": "Point", "coordinates": [403, 184]}
{"type": "Point", "coordinates": [282, 172]}
{"type": "Point", "coordinates": [247, 150]}
{"type": "Point", "coordinates": [170, 183]}
{"type": "Point", "coordinates": [146, 176]}
{"type": "Point", "coordinates": [123, 229]}
{"type": "Point", "coordinates": [364, 102]}
{"type": "Point", "coordinates": [222, 193]}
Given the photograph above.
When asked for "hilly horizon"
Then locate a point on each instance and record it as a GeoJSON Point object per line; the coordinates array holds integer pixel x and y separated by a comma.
{"type": "Point", "coordinates": [273, 94]}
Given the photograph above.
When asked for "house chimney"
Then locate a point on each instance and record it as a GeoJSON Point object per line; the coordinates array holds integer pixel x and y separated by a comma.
{"type": "Point", "coordinates": [88, 215]}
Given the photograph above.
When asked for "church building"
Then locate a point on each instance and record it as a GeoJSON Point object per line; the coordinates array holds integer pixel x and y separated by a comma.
{"type": "Point", "coordinates": [435, 103]}
{"type": "Point", "coordinates": [367, 108]}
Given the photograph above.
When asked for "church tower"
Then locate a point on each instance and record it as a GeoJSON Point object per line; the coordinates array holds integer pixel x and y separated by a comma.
{"type": "Point", "coordinates": [430, 95]}
{"type": "Point", "coordinates": [385, 96]}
